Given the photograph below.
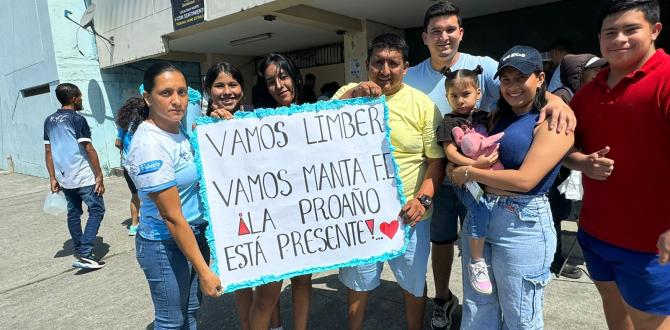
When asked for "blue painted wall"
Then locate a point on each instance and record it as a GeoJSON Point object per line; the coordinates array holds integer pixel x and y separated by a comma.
{"type": "Point", "coordinates": [28, 60]}
{"type": "Point", "coordinates": [40, 46]}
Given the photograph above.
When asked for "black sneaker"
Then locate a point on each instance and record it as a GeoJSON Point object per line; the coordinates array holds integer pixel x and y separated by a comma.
{"type": "Point", "coordinates": [568, 271]}
{"type": "Point", "coordinates": [443, 312]}
{"type": "Point", "coordinates": [87, 263]}
{"type": "Point", "coordinates": [572, 272]}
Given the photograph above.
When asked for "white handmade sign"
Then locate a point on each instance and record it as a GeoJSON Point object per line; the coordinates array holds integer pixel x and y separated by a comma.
{"type": "Point", "coordinates": [298, 190]}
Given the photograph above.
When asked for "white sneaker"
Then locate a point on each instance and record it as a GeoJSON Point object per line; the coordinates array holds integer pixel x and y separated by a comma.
{"type": "Point", "coordinates": [479, 277]}
{"type": "Point", "coordinates": [87, 263]}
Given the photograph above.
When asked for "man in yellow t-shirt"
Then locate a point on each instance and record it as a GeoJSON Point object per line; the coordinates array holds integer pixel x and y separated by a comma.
{"type": "Point", "coordinates": [413, 119]}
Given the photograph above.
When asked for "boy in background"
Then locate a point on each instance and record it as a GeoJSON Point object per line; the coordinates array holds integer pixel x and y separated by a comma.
{"type": "Point", "coordinates": [74, 168]}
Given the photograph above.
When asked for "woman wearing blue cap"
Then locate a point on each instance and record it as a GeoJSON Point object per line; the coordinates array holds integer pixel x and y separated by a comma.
{"type": "Point", "coordinates": [521, 237]}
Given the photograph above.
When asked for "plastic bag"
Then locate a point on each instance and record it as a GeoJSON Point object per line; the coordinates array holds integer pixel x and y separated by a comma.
{"type": "Point", "coordinates": [55, 204]}
{"type": "Point", "coordinates": [572, 186]}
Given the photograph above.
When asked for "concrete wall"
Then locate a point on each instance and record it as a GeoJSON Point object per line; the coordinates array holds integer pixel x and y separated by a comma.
{"type": "Point", "coordinates": [218, 8]}
{"type": "Point", "coordinates": [103, 91]}
{"type": "Point", "coordinates": [137, 27]}
{"type": "Point", "coordinates": [28, 60]}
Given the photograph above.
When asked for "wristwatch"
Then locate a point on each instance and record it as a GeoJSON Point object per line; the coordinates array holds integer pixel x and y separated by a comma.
{"type": "Point", "coordinates": [425, 200]}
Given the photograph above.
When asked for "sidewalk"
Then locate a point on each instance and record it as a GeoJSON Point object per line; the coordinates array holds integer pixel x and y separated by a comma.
{"type": "Point", "coordinates": [40, 290]}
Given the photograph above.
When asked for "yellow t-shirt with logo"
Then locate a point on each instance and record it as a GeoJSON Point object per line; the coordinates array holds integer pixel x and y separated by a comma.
{"type": "Point", "coordinates": [413, 119]}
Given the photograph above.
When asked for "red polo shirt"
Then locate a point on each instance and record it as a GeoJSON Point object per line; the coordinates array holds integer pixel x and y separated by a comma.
{"type": "Point", "coordinates": [631, 208]}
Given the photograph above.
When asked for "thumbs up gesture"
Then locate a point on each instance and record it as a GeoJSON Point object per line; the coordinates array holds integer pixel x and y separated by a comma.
{"type": "Point", "coordinates": [600, 167]}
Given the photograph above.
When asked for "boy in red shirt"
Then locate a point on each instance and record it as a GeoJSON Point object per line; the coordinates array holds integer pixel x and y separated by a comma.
{"type": "Point", "coordinates": [624, 119]}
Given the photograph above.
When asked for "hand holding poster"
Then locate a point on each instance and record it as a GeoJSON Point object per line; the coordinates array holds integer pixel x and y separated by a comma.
{"type": "Point", "coordinates": [298, 190]}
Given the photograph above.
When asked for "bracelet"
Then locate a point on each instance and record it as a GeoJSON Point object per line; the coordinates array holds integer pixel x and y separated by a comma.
{"type": "Point", "coordinates": [466, 172]}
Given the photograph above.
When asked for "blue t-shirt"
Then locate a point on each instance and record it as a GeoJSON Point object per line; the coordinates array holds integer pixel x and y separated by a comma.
{"type": "Point", "coordinates": [125, 137]}
{"type": "Point", "coordinates": [431, 82]}
{"type": "Point", "coordinates": [158, 160]}
{"type": "Point", "coordinates": [65, 130]}
{"type": "Point", "coordinates": [555, 82]}
{"type": "Point", "coordinates": [516, 143]}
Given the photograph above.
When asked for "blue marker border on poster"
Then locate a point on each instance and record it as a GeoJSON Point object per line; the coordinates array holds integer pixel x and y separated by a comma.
{"type": "Point", "coordinates": [293, 109]}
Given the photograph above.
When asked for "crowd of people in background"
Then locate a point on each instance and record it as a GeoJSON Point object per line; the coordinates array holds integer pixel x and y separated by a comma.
{"type": "Point", "coordinates": [586, 114]}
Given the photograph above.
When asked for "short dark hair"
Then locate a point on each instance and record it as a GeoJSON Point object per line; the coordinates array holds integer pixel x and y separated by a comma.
{"type": "Point", "coordinates": [389, 41]}
{"type": "Point", "coordinates": [213, 73]}
{"type": "Point", "coordinates": [65, 92]}
{"type": "Point", "coordinates": [283, 63]}
{"type": "Point", "coordinates": [650, 8]}
{"type": "Point", "coordinates": [561, 44]}
{"type": "Point", "coordinates": [441, 8]}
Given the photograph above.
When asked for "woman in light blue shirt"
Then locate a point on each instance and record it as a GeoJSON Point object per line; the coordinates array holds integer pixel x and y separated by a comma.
{"type": "Point", "coordinates": [171, 247]}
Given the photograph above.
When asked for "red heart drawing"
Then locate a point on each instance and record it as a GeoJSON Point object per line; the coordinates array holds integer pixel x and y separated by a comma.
{"type": "Point", "coordinates": [389, 228]}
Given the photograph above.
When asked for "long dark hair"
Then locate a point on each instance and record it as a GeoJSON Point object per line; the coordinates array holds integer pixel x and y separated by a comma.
{"type": "Point", "coordinates": [213, 73]}
{"type": "Point", "coordinates": [284, 64]}
{"type": "Point", "coordinates": [504, 109]}
{"type": "Point", "coordinates": [149, 80]}
{"type": "Point", "coordinates": [128, 117]}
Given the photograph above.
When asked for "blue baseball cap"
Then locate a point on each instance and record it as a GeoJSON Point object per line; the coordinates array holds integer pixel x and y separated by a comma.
{"type": "Point", "coordinates": [523, 58]}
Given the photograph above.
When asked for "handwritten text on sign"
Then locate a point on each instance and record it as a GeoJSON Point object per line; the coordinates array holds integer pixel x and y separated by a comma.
{"type": "Point", "coordinates": [293, 194]}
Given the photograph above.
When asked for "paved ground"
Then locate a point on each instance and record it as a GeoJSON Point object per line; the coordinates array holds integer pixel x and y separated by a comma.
{"type": "Point", "coordinates": [40, 290]}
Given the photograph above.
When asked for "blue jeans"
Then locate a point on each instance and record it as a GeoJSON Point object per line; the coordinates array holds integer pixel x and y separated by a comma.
{"type": "Point", "coordinates": [174, 285]}
{"type": "Point", "coordinates": [478, 213]}
{"type": "Point", "coordinates": [83, 241]}
{"type": "Point", "coordinates": [520, 246]}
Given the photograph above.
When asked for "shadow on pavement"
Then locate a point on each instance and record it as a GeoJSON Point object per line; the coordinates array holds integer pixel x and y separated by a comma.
{"type": "Point", "coordinates": [328, 308]}
{"type": "Point", "coordinates": [100, 248]}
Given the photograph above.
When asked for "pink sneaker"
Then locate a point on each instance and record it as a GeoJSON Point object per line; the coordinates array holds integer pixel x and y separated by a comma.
{"type": "Point", "coordinates": [479, 277]}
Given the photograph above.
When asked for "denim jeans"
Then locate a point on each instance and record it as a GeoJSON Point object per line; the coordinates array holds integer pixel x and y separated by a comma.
{"type": "Point", "coordinates": [83, 241]}
{"type": "Point", "coordinates": [520, 246]}
{"type": "Point", "coordinates": [478, 213]}
{"type": "Point", "coordinates": [174, 285]}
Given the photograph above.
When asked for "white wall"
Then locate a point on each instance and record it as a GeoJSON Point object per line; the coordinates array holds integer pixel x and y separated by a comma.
{"type": "Point", "coordinates": [218, 8]}
{"type": "Point", "coordinates": [137, 27]}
